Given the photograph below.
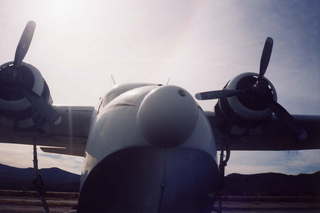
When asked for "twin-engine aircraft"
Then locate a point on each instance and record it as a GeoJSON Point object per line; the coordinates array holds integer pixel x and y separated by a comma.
{"type": "Point", "coordinates": [150, 147]}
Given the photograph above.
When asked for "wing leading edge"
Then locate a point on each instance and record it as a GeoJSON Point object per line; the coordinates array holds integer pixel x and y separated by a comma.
{"type": "Point", "coordinates": [271, 135]}
{"type": "Point", "coordinates": [69, 137]}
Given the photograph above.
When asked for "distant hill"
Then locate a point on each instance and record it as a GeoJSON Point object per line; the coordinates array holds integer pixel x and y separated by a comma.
{"type": "Point", "coordinates": [272, 184]}
{"type": "Point", "coordinates": [55, 179]}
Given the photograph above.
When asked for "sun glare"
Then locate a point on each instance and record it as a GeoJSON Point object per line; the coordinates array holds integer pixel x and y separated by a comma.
{"type": "Point", "coordinates": [62, 10]}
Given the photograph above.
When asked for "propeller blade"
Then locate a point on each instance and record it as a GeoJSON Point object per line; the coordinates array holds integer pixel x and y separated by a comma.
{"type": "Point", "coordinates": [44, 109]}
{"type": "Point", "coordinates": [218, 94]}
{"type": "Point", "coordinates": [24, 43]}
{"type": "Point", "coordinates": [265, 57]}
{"type": "Point", "coordinates": [288, 119]}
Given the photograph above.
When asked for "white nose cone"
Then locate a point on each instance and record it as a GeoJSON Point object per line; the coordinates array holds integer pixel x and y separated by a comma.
{"type": "Point", "coordinates": [167, 116]}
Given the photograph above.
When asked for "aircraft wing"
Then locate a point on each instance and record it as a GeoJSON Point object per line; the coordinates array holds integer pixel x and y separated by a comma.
{"type": "Point", "coordinates": [271, 135]}
{"type": "Point", "coordinates": [68, 137]}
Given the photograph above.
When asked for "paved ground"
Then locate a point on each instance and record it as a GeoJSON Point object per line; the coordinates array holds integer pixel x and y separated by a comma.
{"type": "Point", "coordinates": [28, 202]}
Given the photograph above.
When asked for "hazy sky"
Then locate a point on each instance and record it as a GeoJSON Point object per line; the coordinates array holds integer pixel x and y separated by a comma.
{"type": "Point", "coordinates": [199, 45]}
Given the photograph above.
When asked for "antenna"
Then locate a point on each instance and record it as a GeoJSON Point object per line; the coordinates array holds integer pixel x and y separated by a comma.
{"type": "Point", "coordinates": [112, 79]}
{"type": "Point", "coordinates": [168, 81]}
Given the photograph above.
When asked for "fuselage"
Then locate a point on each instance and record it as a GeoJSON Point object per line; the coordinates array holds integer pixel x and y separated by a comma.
{"type": "Point", "coordinates": [150, 149]}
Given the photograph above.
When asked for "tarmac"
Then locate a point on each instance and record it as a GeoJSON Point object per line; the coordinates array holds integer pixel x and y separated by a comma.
{"type": "Point", "coordinates": [13, 201]}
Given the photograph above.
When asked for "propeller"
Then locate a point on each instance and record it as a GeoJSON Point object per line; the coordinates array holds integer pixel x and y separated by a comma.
{"type": "Point", "coordinates": [218, 94]}
{"type": "Point", "coordinates": [14, 77]}
{"type": "Point", "coordinates": [259, 92]}
{"type": "Point", "coordinates": [264, 62]}
{"type": "Point", "coordinates": [265, 57]}
{"type": "Point", "coordinates": [24, 43]}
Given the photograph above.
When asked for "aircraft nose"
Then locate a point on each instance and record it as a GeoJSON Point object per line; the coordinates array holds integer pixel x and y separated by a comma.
{"type": "Point", "coordinates": [167, 116]}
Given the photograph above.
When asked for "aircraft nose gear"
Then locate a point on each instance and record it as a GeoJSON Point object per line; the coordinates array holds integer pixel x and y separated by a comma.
{"type": "Point", "coordinates": [224, 158]}
{"type": "Point", "coordinates": [38, 182]}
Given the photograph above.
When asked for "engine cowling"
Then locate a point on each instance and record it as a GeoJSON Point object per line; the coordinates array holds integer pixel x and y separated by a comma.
{"type": "Point", "coordinates": [245, 107]}
{"type": "Point", "coordinates": [248, 99]}
{"type": "Point", "coordinates": [13, 104]}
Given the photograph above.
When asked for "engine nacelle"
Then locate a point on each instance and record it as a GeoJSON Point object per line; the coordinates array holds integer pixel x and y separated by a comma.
{"type": "Point", "coordinates": [245, 109]}
{"type": "Point", "coordinates": [13, 104]}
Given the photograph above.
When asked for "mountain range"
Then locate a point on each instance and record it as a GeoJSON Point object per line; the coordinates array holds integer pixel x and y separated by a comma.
{"type": "Point", "coordinates": [273, 184]}
{"type": "Point", "coordinates": [54, 179]}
